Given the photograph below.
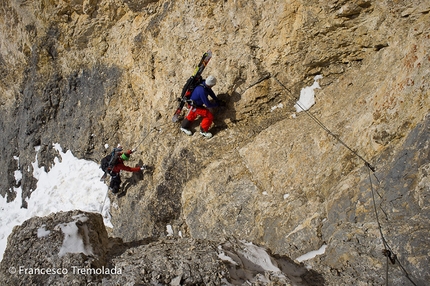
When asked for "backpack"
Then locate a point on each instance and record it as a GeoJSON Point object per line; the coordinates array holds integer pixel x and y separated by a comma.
{"type": "Point", "coordinates": [190, 85]}
{"type": "Point", "coordinates": [110, 160]}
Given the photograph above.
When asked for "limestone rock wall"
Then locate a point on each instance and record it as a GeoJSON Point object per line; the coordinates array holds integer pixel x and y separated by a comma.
{"type": "Point", "coordinates": [90, 73]}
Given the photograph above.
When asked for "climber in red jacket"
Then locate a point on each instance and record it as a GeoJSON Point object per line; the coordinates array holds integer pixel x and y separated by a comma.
{"type": "Point", "coordinates": [119, 166]}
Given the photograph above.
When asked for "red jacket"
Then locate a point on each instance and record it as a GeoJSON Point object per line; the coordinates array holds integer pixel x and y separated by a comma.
{"type": "Point", "coordinates": [120, 166]}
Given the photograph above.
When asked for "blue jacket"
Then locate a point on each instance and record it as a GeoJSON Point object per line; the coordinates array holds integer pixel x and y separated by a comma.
{"type": "Point", "coordinates": [200, 96]}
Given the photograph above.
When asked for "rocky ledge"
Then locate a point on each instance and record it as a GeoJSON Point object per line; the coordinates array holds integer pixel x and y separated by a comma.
{"type": "Point", "coordinates": [73, 248]}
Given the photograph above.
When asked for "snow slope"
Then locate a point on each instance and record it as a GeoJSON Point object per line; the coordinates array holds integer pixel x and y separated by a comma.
{"type": "Point", "coordinates": [70, 184]}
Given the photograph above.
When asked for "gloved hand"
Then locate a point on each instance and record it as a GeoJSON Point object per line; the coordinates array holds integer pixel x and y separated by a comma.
{"type": "Point", "coordinates": [143, 168]}
{"type": "Point", "coordinates": [128, 152]}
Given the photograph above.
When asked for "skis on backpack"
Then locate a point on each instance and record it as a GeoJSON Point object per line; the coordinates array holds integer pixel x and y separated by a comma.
{"type": "Point", "coordinates": [191, 83]}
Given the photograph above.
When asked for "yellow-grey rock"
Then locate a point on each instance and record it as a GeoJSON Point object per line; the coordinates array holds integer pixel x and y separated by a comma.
{"type": "Point", "coordinates": [70, 69]}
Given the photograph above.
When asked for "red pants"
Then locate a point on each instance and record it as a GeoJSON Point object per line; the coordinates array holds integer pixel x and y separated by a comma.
{"type": "Point", "coordinates": [207, 117]}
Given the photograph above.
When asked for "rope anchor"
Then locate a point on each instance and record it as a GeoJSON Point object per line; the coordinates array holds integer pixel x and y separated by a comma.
{"type": "Point", "coordinates": [367, 164]}
{"type": "Point", "coordinates": [390, 255]}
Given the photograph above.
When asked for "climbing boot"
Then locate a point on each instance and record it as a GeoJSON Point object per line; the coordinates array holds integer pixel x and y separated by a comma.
{"type": "Point", "coordinates": [186, 131]}
{"type": "Point", "coordinates": [205, 133]}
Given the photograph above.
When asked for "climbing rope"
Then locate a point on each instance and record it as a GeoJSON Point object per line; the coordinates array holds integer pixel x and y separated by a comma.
{"type": "Point", "coordinates": [388, 252]}
{"type": "Point", "coordinates": [387, 249]}
{"type": "Point", "coordinates": [317, 121]}
{"type": "Point", "coordinates": [150, 129]}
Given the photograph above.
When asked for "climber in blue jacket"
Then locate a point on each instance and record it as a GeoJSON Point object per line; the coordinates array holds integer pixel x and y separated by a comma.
{"type": "Point", "coordinates": [200, 103]}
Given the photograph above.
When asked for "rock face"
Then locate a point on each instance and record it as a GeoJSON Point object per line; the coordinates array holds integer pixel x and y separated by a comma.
{"type": "Point", "coordinates": [89, 73]}
{"type": "Point", "coordinates": [73, 248]}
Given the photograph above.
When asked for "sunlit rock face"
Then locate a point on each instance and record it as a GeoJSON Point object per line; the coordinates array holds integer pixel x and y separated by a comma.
{"type": "Point", "coordinates": [89, 73]}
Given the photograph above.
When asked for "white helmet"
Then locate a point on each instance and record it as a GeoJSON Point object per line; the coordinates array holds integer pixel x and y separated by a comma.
{"type": "Point", "coordinates": [210, 81]}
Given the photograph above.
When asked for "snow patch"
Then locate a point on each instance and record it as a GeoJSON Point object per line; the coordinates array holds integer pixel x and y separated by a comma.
{"type": "Point", "coordinates": [307, 96]}
{"type": "Point", "coordinates": [42, 232]}
{"type": "Point", "coordinates": [224, 257]}
{"type": "Point", "coordinates": [312, 254]}
{"type": "Point", "coordinates": [258, 256]}
{"type": "Point", "coordinates": [17, 173]}
{"type": "Point", "coordinates": [15, 216]}
{"type": "Point", "coordinates": [73, 242]}
{"type": "Point", "coordinates": [280, 105]}
{"type": "Point", "coordinates": [70, 184]}
{"type": "Point", "coordinates": [169, 230]}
